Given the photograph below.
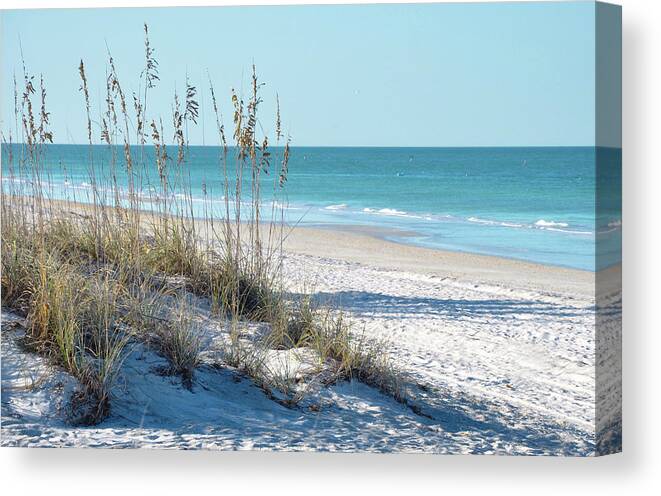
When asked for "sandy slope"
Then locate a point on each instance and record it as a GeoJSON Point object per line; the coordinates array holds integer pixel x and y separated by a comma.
{"type": "Point", "coordinates": [502, 351]}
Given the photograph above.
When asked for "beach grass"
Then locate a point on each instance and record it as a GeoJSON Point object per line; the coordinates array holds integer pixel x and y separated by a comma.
{"type": "Point", "coordinates": [91, 281]}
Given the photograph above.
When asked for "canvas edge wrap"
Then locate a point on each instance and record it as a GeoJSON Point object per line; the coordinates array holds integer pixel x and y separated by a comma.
{"type": "Point", "coordinates": [608, 200]}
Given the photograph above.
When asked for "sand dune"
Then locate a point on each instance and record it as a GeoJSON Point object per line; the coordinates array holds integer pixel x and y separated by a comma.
{"type": "Point", "coordinates": [503, 353]}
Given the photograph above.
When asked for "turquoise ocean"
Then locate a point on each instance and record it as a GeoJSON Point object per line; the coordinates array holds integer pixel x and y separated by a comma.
{"type": "Point", "coordinates": [550, 205]}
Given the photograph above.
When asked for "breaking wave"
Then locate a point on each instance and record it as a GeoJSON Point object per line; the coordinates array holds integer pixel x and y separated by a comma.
{"type": "Point", "coordinates": [550, 223]}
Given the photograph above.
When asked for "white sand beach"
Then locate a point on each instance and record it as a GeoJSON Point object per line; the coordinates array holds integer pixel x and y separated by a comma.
{"type": "Point", "coordinates": [501, 354]}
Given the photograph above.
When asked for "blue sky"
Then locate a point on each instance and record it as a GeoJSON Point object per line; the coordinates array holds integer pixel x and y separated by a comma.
{"type": "Point", "coordinates": [518, 74]}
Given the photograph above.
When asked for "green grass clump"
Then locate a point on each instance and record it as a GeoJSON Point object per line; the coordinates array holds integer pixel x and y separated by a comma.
{"type": "Point", "coordinates": [71, 318]}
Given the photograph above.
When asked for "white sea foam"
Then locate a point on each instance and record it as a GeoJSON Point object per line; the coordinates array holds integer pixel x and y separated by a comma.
{"type": "Point", "coordinates": [392, 211]}
{"type": "Point", "coordinates": [339, 206]}
{"type": "Point", "coordinates": [545, 223]}
{"type": "Point", "coordinates": [558, 227]}
{"type": "Point", "coordinates": [569, 231]}
{"type": "Point", "coordinates": [493, 222]}
{"type": "Point", "coordinates": [481, 221]}
{"type": "Point", "coordinates": [15, 180]}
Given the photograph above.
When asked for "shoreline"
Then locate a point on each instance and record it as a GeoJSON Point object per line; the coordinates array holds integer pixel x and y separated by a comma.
{"type": "Point", "coordinates": [457, 233]}
{"type": "Point", "coordinates": [367, 245]}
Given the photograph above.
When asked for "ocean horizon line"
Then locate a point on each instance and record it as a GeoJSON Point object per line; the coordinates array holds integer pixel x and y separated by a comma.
{"type": "Point", "coordinates": [358, 147]}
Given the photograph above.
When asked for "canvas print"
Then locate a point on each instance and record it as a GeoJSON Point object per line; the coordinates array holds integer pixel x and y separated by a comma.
{"type": "Point", "coordinates": [348, 228]}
